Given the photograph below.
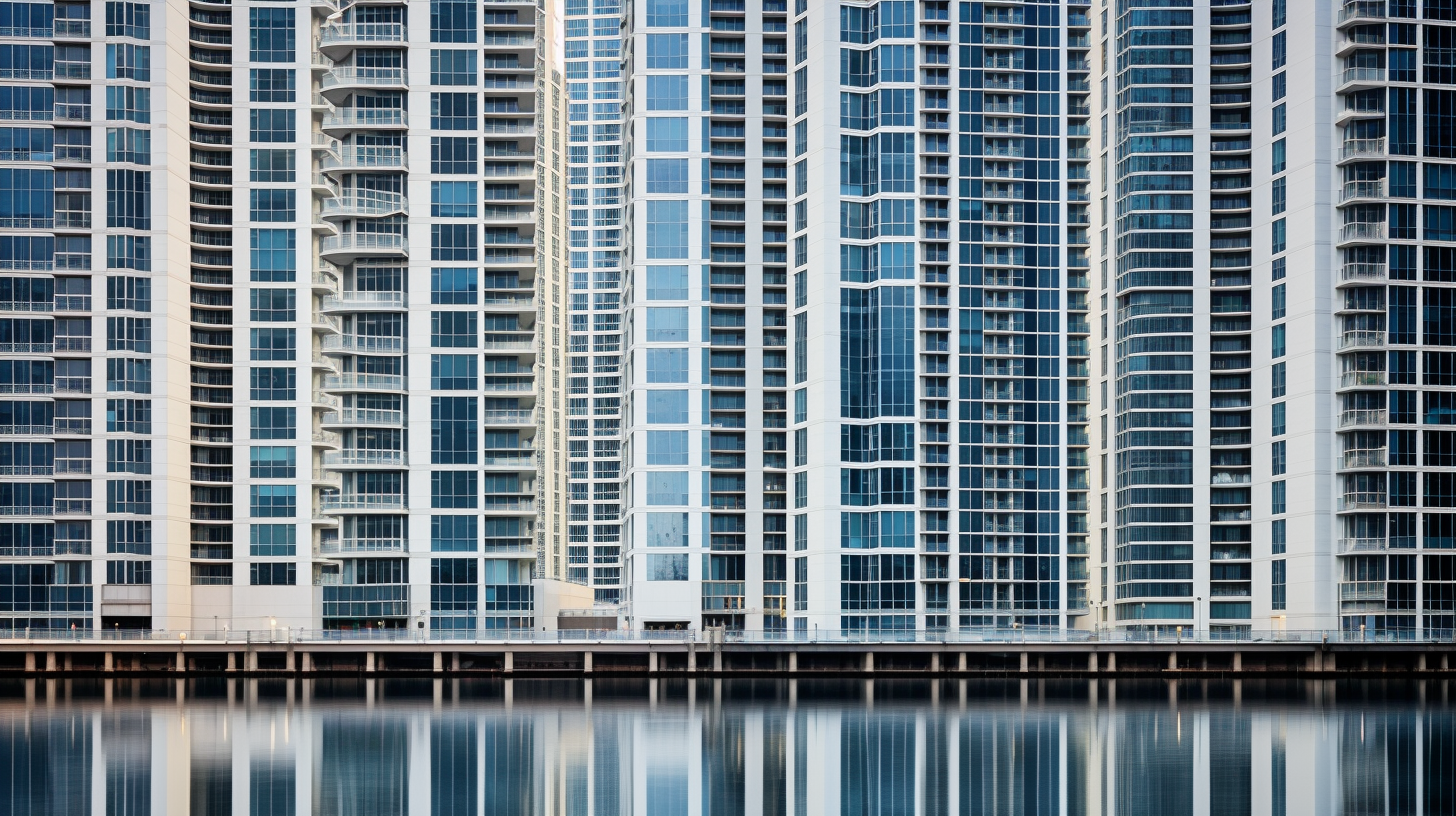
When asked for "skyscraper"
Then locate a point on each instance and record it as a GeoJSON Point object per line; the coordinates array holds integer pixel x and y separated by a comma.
{"type": "Point", "coordinates": [280, 231]}
{"type": "Point", "coordinates": [855, 325]}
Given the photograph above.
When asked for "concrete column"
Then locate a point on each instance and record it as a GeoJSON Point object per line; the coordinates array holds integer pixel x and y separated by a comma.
{"type": "Point", "coordinates": [692, 659]}
{"type": "Point", "coordinates": [66, 663]}
{"type": "Point", "coordinates": [290, 663]}
{"type": "Point", "coordinates": [1112, 661]}
{"type": "Point", "coordinates": [181, 661]}
{"type": "Point", "coordinates": [1172, 661]}
{"type": "Point", "coordinates": [438, 665]}
{"type": "Point", "coordinates": [1238, 661]}
{"type": "Point", "coordinates": [935, 662]}
{"type": "Point", "coordinates": [652, 666]}
{"type": "Point", "coordinates": [30, 662]}
{"type": "Point", "coordinates": [50, 663]}
{"type": "Point", "coordinates": [869, 662]}
{"type": "Point", "coordinates": [508, 662]}
{"type": "Point", "coordinates": [793, 662]}
{"type": "Point", "coordinates": [1041, 662]}
{"type": "Point", "coordinates": [455, 660]}
{"type": "Point", "coordinates": [369, 662]}
{"type": "Point", "coordinates": [1445, 662]}
{"type": "Point", "coordinates": [107, 662]}
{"type": "Point", "coordinates": [717, 660]}
{"type": "Point", "coordinates": [1025, 662]}
{"type": "Point", "coordinates": [586, 662]}
{"type": "Point", "coordinates": [1091, 662]}
{"type": "Point", "coordinates": [232, 664]}
{"type": "Point", "coordinates": [960, 661]}
{"type": "Point", "coordinates": [1421, 662]}
{"type": "Point", "coordinates": [307, 662]}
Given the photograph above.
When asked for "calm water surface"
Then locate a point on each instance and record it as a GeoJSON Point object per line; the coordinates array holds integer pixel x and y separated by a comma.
{"type": "Point", "coordinates": [604, 748]}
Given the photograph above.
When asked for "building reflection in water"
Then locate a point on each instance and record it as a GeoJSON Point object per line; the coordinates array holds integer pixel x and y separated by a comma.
{"type": "Point", "coordinates": [469, 748]}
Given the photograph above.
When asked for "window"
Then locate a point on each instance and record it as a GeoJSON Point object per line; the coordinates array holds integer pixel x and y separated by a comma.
{"type": "Point", "coordinates": [667, 283]}
{"type": "Point", "coordinates": [273, 462]}
{"type": "Point", "coordinates": [128, 61]}
{"type": "Point", "coordinates": [270, 34]}
{"type": "Point", "coordinates": [273, 574]}
{"type": "Point", "coordinates": [1277, 501]}
{"type": "Point", "coordinates": [1278, 240]}
{"type": "Point", "coordinates": [130, 103]}
{"type": "Point", "coordinates": [667, 324]}
{"type": "Point", "coordinates": [452, 67]}
{"type": "Point", "coordinates": [667, 13]}
{"type": "Point", "coordinates": [129, 334]}
{"type": "Point", "coordinates": [453, 199]}
{"type": "Point", "coordinates": [454, 489]}
{"type": "Point", "coordinates": [454, 430]}
{"type": "Point", "coordinates": [127, 455]}
{"type": "Point", "coordinates": [273, 501]}
{"type": "Point", "coordinates": [452, 21]}
{"type": "Point", "coordinates": [453, 372]}
{"type": "Point", "coordinates": [454, 242]}
{"type": "Point", "coordinates": [667, 93]}
{"type": "Point", "coordinates": [272, 539]}
{"type": "Point", "coordinates": [271, 85]}
{"type": "Point", "coordinates": [454, 533]}
{"type": "Point", "coordinates": [273, 423]}
{"type": "Point", "coordinates": [667, 51]}
{"type": "Point", "coordinates": [666, 407]}
{"type": "Point", "coordinates": [1276, 195]}
{"type": "Point", "coordinates": [273, 344]}
{"type": "Point", "coordinates": [454, 155]}
{"type": "Point", "coordinates": [454, 330]}
{"type": "Point", "coordinates": [453, 286]}
{"type": "Point", "coordinates": [129, 199]}
{"type": "Point", "coordinates": [129, 572]}
{"type": "Point", "coordinates": [667, 229]}
{"type": "Point", "coordinates": [1278, 119]}
{"type": "Point", "coordinates": [1276, 372]}
{"type": "Point", "coordinates": [667, 365]}
{"type": "Point", "coordinates": [1276, 420]}
{"type": "Point", "coordinates": [271, 165]}
{"type": "Point", "coordinates": [667, 447]}
{"type": "Point", "coordinates": [667, 135]}
{"type": "Point", "coordinates": [129, 145]}
{"type": "Point", "coordinates": [271, 125]}
{"type": "Point", "coordinates": [1277, 163]}
{"type": "Point", "coordinates": [667, 487]}
{"type": "Point", "coordinates": [1277, 458]}
{"type": "Point", "coordinates": [273, 255]}
{"type": "Point", "coordinates": [667, 176]}
{"type": "Point", "coordinates": [129, 20]}
{"type": "Point", "coordinates": [1277, 579]}
{"type": "Point", "coordinates": [1279, 50]}
{"type": "Point", "coordinates": [272, 205]}
{"type": "Point", "coordinates": [453, 111]}
{"type": "Point", "coordinates": [128, 496]}
{"type": "Point", "coordinates": [273, 305]}
{"type": "Point", "coordinates": [273, 384]}
{"type": "Point", "coordinates": [129, 374]}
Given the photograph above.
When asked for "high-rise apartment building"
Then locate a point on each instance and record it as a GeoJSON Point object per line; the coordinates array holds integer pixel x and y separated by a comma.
{"type": "Point", "coordinates": [282, 302]}
{"type": "Point", "coordinates": [855, 323]}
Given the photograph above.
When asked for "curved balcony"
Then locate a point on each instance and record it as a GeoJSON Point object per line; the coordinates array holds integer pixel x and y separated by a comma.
{"type": "Point", "coordinates": [1352, 79]}
{"type": "Point", "coordinates": [1361, 11]}
{"type": "Point", "coordinates": [1356, 190]}
{"type": "Point", "coordinates": [364, 204]}
{"type": "Point", "coordinates": [1362, 545]}
{"type": "Point", "coordinates": [1362, 379]}
{"type": "Point", "coordinates": [507, 418]}
{"type": "Point", "coordinates": [339, 82]}
{"type": "Point", "coordinates": [1362, 338]}
{"type": "Point", "coordinates": [1363, 459]}
{"type": "Point", "coordinates": [364, 417]}
{"type": "Point", "coordinates": [1355, 272]}
{"type": "Point", "coordinates": [365, 302]}
{"type": "Point", "coordinates": [1362, 232]}
{"type": "Point", "coordinates": [338, 39]}
{"type": "Point", "coordinates": [363, 503]}
{"type": "Point", "coordinates": [325, 439]}
{"type": "Point", "coordinates": [1356, 149]}
{"type": "Point", "coordinates": [365, 158]}
{"type": "Point", "coordinates": [363, 546]}
{"type": "Point", "coordinates": [389, 383]}
{"type": "Point", "coordinates": [348, 247]}
{"type": "Point", "coordinates": [348, 120]}
{"type": "Point", "coordinates": [1357, 107]}
{"type": "Point", "coordinates": [362, 344]}
{"type": "Point", "coordinates": [364, 459]}
{"type": "Point", "coordinates": [1363, 417]}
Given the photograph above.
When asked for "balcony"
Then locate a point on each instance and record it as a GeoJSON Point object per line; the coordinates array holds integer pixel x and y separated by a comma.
{"type": "Point", "coordinates": [350, 246]}
{"type": "Point", "coordinates": [1362, 339]}
{"type": "Point", "coordinates": [339, 39]}
{"type": "Point", "coordinates": [1361, 11]}
{"type": "Point", "coordinates": [1362, 501]}
{"type": "Point", "coordinates": [1352, 272]}
{"type": "Point", "coordinates": [365, 302]}
{"type": "Point", "coordinates": [365, 382]}
{"type": "Point", "coordinates": [1361, 77]}
{"type": "Point", "coordinates": [1362, 459]}
{"type": "Point", "coordinates": [364, 204]}
{"type": "Point", "coordinates": [1363, 149]}
{"type": "Point", "coordinates": [364, 417]}
{"type": "Point", "coordinates": [364, 458]}
{"type": "Point", "coordinates": [508, 418]}
{"type": "Point", "coordinates": [351, 119]}
{"type": "Point", "coordinates": [1362, 189]}
{"type": "Point", "coordinates": [1362, 231]}
{"type": "Point", "coordinates": [1363, 416]}
{"type": "Point", "coordinates": [1362, 590]}
{"type": "Point", "coordinates": [338, 82]}
{"type": "Point", "coordinates": [362, 503]}
{"type": "Point", "coordinates": [361, 158]}
{"type": "Point", "coordinates": [1362, 545]}
{"type": "Point", "coordinates": [1362, 379]}
{"type": "Point", "coordinates": [362, 545]}
{"type": "Point", "coordinates": [362, 344]}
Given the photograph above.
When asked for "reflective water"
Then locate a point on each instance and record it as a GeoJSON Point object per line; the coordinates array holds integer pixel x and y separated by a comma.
{"type": "Point", "coordinates": [602, 748]}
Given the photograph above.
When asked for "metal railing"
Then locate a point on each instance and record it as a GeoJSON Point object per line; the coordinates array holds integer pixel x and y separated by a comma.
{"type": "Point", "coordinates": [1160, 634]}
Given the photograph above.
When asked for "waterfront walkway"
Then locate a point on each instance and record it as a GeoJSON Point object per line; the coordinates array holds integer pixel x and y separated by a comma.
{"type": "Point", "coordinates": [990, 652]}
